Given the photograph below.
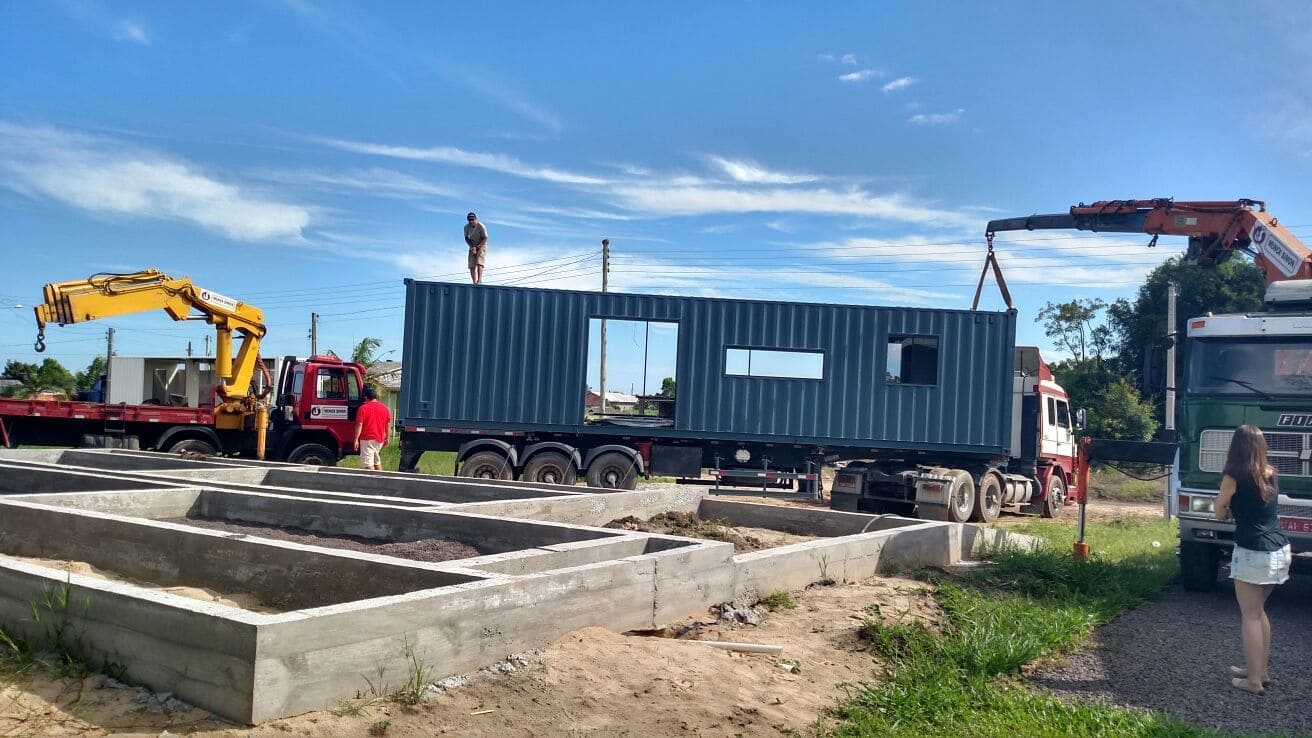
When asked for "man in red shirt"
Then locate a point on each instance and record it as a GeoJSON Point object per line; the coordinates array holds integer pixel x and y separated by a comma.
{"type": "Point", "coordinates": [373, 430]}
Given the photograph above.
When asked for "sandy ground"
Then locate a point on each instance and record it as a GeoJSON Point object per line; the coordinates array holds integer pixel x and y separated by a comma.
{"type": "Point", "coordinates": [244, 601]}
{"type": "Point", "coordinates": [428, 549]}
{"type": "Point", "coordinates": [591, 682]}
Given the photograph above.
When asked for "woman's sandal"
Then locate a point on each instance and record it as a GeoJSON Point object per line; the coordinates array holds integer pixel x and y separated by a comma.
{"type": "Point", "coordinates": [1238, 672]}
{"type": "Point", "coordinates": [1243, 684]}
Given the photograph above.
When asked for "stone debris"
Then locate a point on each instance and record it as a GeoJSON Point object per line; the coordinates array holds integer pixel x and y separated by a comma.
{"type": "Point", "coordinates": [737, 611]}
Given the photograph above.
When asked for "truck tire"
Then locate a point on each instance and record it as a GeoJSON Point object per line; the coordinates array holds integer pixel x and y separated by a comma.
{"type": "Point", "coordinates": [486, 465]}
{"type": "Point", "coordinates": [550, 467]}
{"type": "Point", "coordinates": [1054, 497]}
{"type": "Point", "coordinates": [961, 498]}
{"type": "Point", "coordinates": [988, 499]}
{"type": "Point", "coordinates": [613, 470]}
{"type": "Point", "coordinates": [194, 445]}
{"type": "Point", "coordinates": [1199, 564]}
{"type": "Point", "coordinates": [312, 454]}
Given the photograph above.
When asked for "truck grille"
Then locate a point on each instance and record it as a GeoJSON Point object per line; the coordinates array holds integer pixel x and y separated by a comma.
{"type": "Point", "coordinates": [1289, 453]}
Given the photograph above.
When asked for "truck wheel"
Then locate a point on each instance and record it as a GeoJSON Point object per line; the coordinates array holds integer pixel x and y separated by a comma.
{"type": "Point", "coordinates": [1054, 497]}
{"type": "Point", "coordinates": [961, 498]}
{"type": "Point", "coordinates": [613, 470]}
{"type": "Point", "coordinates": [550, 467]}
{"type": "Point", "coordinates": [486, 465]}
{"type": "Point", "coordinates": [195, 446]}
{"type": "Point", "coordinates": [1199, 564]}
{"type": "Point", "coordinates": [313, 454]}
{"type": "Point", "coordinates": [988, 499]}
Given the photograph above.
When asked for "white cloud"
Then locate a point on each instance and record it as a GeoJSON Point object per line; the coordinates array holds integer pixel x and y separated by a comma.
{"type": "Point", "coordinates": [131, 31]}
{"type": "Point", "coordinates": [704, 200]}
{"type": "Point", "coordinates": [825, 57]}
{"type": "Point", "coordinates": [120, 29]}
{"type": "Point", "coordinates": [750, 172]}
{"type": "Point", "coordinates": [103, 175]}
{"type": "Point", "coordinates": [937, 119]}
{"type": "Point", "coordinates": [849, 59]}
{"type": "Point", "coordinates": [459, 157]}
{"type": "Point", "coordinates": [375, 180]}
{"type": "Point", "coordinates": [901, 83]}
{"type": "Point", "coordinates": [861, 76]}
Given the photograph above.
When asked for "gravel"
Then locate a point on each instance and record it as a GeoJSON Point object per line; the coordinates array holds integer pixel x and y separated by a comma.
{"type": "Point", "coordinates": [1173, 654]}
{"type": "Point", "coordinates": [427, 549]}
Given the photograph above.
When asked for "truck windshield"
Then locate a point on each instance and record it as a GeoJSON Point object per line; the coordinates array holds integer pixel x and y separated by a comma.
{"type": "Point", "coordinates": [1250, 367]}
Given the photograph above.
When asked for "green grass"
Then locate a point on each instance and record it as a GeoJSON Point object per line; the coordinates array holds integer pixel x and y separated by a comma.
{"type": "Point", "coordinates": [780, 600]}
{"type": "Point", "coordinates": [1028, 605]}
{"type": "Point", "coordinates": [1111, 484]}
{"type": "Point", "coordinates": [432, 462]}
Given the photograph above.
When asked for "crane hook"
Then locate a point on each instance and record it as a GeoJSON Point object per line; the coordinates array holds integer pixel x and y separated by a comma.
{"type": "Point", "coordinates": [40, 344]}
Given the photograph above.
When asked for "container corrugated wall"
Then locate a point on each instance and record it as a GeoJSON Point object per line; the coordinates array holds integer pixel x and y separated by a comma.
{"type": "Point", "coordinates": [517, 357]}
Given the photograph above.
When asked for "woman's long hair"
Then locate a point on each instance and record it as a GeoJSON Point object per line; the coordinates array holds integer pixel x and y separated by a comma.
{"type": "Point", "coordinates": [1246, 461]}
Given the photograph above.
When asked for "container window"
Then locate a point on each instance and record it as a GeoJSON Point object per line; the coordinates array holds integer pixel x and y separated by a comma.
{"type": "Point", "coordinates": [752, 362]}
{"type": "Point", "coordinates": [641, 359]}
{"type": "Point", "coordinates": [912, 360]}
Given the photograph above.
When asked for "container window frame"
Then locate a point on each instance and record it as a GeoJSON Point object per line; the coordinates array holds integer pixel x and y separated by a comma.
{"type": "Point", "coordinates": [724, 368]}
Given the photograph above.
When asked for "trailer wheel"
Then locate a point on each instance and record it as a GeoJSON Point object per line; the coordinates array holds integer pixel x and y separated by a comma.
{"type": "Point", "coordinates": [961, 498]}
{"type": "Point", "coordinates": [313, 454]}
{"type": "Point", "coordinates": [613, 470]}
{"type": "Point", "coordinates": [194, 445]}
{"type": "Point", "coordinates": [1054, 497]}
{"type": "Point", "coordinates": [486, 465]}
{"type": "Point", "coordinates": [1199, 564]}
{"type": "Point", "coordinates": [550, 467]}
{"type": "Point", "coordinates": [988, 499]}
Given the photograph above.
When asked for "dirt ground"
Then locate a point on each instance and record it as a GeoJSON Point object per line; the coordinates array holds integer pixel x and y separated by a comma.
{"type": "Point", "coordinates": [591, 681]}
{"type": "Point", "coordinates": [428, 549]}
{"type": "Point", "coordinates": [689, 525]}
{"type": "Point", "coordinates": [232, 599]}
{"type": "Point", "coordinates": [1096, 511]}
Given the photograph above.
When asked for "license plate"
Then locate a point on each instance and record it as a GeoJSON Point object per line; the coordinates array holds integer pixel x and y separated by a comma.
{"type": "Point", "coordinates": [1296, 525]}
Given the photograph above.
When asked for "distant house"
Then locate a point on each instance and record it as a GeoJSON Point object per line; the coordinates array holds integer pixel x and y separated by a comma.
{"type": "Point", "coordinates": [386, 378]}
{"type": "Point", "coordinates": [616, 402]}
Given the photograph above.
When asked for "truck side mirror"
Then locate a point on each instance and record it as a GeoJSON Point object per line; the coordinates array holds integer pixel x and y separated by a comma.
{"type": "Point", "coordinates": [1081, 419]}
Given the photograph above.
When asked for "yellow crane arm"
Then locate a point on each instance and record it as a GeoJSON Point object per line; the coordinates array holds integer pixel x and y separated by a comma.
{"type": "Point", "coordinates": [107, 295]}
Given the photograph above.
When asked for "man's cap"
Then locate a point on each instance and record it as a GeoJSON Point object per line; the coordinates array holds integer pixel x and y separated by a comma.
{"type": "Point", "coordinates": [471, 215]}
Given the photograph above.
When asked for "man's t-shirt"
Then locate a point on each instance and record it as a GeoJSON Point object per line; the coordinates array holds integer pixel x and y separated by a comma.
{"type": "Point", "coordinates": [373, 418]}
{"type": "Point", "coordinates": [475, 233]}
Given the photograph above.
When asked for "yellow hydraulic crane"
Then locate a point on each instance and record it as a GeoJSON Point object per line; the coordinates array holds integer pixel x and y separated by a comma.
{"type": "Point", "coordinates": [107, 295]}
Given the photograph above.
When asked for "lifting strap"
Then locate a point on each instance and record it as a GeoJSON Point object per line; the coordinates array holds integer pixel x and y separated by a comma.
{"type": "Point", "coordinates": [992, 261]}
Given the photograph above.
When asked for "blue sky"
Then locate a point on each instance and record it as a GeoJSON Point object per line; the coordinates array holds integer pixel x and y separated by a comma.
{"type": "Point", "coordinates": [307, 156]}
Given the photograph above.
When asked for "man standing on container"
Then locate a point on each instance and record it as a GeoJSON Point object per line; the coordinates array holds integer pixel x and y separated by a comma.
{"type": "Point", "coordinates": [373, 430]}
{"type": "Point", "coordinates": [476, 239]}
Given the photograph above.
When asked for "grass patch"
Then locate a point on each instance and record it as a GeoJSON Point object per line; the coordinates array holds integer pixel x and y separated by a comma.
{"type": "Point", "coordinates": [432, 462]}
{"type": "Point", "coordinates": [1111, 484]}
{"type": "Point", "coordinates": [780, 600]}
{"type": "Point", "coordinates": [1029, 604]}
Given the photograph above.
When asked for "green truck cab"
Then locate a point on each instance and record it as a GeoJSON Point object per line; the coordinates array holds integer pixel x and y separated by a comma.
{"type": "Point", "coordinates": [1253, 368]}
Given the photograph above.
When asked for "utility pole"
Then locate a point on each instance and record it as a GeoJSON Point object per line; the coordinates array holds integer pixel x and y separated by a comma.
{"type": "Point", "coordinates": [207, 347]}
{"type": "Point", "coordinates": [1172, 335]}
{"type": "Point", "coordinates": [109, 359]}
{"type": "Point", "coordinates": [314, 334]}
{"type": "Point", "coordinates": [188, 349]}
{"type": "Point", "coordinates": [605, 284]}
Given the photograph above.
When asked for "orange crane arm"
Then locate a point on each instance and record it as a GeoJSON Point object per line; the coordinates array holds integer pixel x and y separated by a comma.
{"type": "Point", "coordinates": [1215, 229]}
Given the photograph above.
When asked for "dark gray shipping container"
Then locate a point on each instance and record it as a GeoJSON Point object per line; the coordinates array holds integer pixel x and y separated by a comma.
{"type": "Point", "coordinates": [515, 359]}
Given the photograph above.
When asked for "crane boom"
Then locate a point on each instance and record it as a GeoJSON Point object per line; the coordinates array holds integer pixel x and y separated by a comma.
{"type": "Point", "coordinates": [1215, 230]}
{"type": "Point", "coordinates": [107, 295]}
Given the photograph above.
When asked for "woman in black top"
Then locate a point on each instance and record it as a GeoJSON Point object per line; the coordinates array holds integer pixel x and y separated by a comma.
{"type": "Point", "coordinates": [1250, 493]}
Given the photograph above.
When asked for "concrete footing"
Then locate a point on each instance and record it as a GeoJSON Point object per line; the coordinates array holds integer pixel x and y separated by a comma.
{"type": "Point", "coordinates": [335, 621]}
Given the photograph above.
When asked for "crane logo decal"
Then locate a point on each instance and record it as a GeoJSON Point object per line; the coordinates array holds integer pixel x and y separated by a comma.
{"type": "Point", "coordinates": [1275, 250]}
{"type": "Point", "coordinates": [328, 412]}
{"type": "Point", "coordinates": [214, 299]}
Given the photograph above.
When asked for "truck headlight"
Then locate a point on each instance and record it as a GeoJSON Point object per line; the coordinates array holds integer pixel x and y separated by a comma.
{"type": "Point", "coordinates": [1201, 504]}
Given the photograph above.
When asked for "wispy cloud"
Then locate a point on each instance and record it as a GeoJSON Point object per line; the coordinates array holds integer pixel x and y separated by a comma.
{"type": "Point", "coordinates": [375, 180]}
{"type": "Point", "coordinates": [704, 200]}
{"type": "Point", "coordinates": [937, 119]}
{"type": "Point", "coordinates": [863, 75]}
{"type": "Point", "coordinates": [750, 172]}
{"type": "Point", "coordinates": [849, 59]}
{"type": "Point", "coordinates": [901, 83]}
{"type": "Point", "coordinates": [825, 57]}
{"type": "Point", "coordinates": [93, 15]}
{"type": "Point", "coordinates": [107, 176]}
{"type": "Point", "coordinates": [460, 157]}
{"type": "Point", "coordinates": [511, 99]}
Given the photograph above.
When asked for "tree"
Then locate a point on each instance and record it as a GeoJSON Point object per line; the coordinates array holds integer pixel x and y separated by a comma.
{"type": "Point", "coordinates": [366, 351]}
{"type": "Point", "coordinates": [85, 379]}
{"type": "Point", "coordinates": [49, 376]}
{"type": "Point", "coordinates": [667, 387]}
{"type": "Point", "coordinates": [1075, 327]}
{"type": "Point", "coordinates": [1122, 414]}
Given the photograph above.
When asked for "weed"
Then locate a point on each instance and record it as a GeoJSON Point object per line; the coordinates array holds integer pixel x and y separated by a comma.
{"type": "Point", "coordinates": [780, 600]}
{"type": "Point", "coordinates": [380, 727]}
{"type": "Point", "coordinates": [823, 562]}
{"type": "Point", "coordinates": [411, 691]}
{"type": "Point", "coordinates": [350, 708]}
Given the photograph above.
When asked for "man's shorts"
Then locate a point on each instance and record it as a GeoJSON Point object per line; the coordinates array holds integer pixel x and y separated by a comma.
{"type": "Point", "coordinates": [476, 258]}
{"type": "Point", "coordinates": [1260, 567]}
{"type": "Point", "coordinates": [370, 454]}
